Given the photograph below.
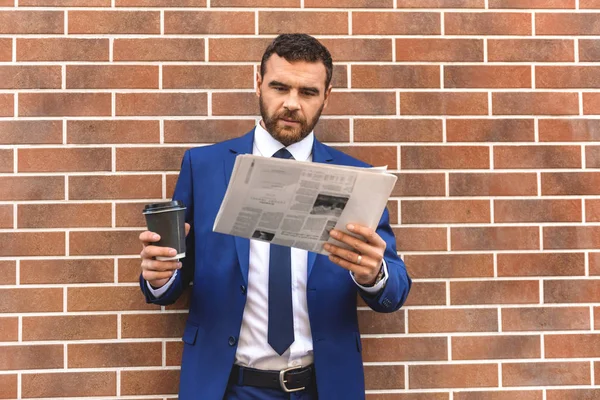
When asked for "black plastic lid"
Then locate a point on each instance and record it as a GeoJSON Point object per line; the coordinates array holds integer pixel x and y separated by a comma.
{"type": "Point", "coordinates": [163, 206]}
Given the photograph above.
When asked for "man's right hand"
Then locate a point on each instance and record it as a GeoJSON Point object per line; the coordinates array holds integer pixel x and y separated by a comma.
{"type": "Point", "coordinates": [156, 272]}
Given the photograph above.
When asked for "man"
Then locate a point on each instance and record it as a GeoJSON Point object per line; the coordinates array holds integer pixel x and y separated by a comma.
{"type": "Point", "coordinates": [249, 336]}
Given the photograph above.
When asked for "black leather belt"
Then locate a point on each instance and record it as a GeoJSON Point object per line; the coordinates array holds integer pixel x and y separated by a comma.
{"type": "Point", "coordinates": [288, 380]}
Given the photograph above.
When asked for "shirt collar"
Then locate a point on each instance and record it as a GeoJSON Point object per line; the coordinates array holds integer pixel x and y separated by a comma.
{"type": "Point", "coordinates": [267, 145]}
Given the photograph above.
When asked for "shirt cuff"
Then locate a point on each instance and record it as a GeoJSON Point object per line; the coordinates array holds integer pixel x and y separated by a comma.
{"type": "Point", "coordinates": [376, 288]}
{"type": "Point", "coordinates": [161, 290]}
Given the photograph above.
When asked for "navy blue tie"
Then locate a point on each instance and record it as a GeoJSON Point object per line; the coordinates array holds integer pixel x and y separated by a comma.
{"type": "Point", "coordinates": [281, 323]}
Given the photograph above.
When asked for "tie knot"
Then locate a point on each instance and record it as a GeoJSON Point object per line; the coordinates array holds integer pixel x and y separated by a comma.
{"type": "Point", "coordinates": [283, 153]}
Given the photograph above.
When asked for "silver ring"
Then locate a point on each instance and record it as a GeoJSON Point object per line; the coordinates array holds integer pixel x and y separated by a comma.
{"type": "Point", "coordinates": [359, 260]}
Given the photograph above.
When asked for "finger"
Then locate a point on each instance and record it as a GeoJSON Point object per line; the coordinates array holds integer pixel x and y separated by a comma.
{"type": "Point", "coordinates": [187, 228]}
{"type": "Point", "coordinates": [155, 275]}
{"type": "Point", "coordinates": [355, 269]}
{"type": "Point", "coordinates": [156, 265]}
{"type": "Point", "coordinates": [357, 244]}
{"type": "Point", "coordinates": [370, 235]}
{"type": "Point", "coordinates": [157, 251]}
{"type": "Point", "coordinates": [148, 237]}
{"type": "Point", "coordinates": [352, 257]}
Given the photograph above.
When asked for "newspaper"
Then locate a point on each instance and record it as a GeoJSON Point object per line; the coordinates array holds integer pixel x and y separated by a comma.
{"type": "Point", "coordinates": [296, 203]}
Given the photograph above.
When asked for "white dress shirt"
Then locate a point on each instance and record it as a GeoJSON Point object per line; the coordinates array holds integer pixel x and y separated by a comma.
{"type": "Point", "coordinates": [253, 348]}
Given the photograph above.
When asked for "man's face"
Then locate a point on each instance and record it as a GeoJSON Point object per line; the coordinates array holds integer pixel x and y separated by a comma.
{"type": "Point", "coordinates": [291, 97]}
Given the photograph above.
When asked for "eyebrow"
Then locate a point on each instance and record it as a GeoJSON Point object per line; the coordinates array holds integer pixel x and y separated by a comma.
{"type": "Point", "coordinates": [305, 88]}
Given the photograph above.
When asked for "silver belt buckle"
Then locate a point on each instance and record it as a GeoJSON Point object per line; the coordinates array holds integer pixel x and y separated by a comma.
{"type": "Point", "coordinates": [282, 381]}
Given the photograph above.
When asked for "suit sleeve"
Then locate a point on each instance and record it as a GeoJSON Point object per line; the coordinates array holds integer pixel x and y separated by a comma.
{"type": "Point", "coordinates": [394, 293]}
{"type": "Point", "coordinates": [183, 192]}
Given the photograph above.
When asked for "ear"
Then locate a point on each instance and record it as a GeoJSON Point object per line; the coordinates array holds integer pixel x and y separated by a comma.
{"type": "Point", "coordinates": [258, 83]}
{"type": "Point", "coordinates": [327, 93]}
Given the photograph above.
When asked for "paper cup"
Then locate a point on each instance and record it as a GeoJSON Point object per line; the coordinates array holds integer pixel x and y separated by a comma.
{"type": "Point", "coordinates": [168, 220]}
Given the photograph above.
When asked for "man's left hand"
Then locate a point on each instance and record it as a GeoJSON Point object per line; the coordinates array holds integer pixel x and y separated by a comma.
{"type": "Point", "coordinates": [365, 258]}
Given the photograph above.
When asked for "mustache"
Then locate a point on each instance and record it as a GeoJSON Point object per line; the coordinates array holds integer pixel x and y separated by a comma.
{"type": "Point", "coordinates": [290, 116]}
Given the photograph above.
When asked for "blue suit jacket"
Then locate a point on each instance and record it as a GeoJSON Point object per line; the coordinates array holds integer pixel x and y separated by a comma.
{"type": "Point", "coordinates": [218, 266]}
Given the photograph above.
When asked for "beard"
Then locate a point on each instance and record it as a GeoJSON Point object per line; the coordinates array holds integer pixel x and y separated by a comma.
{"type": "Point", "coordinates": [287, 135]}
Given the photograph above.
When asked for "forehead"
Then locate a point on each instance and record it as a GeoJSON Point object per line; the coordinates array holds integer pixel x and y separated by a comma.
{"type": "Point", "coordinates": [296, 73]}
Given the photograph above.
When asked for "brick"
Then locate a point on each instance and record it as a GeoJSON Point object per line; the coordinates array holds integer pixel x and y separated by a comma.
{"type": "Point", "coordinates": [495, 238]}
{"type": "Point", "coordinates": [421, 239]}
{"type": "Point", "coordinates": [31, 357]}
{"type": "Point", "coordinates": [361, 103]}
{"type": "Point", "coordinates": [396, 23]}
{"type": "Point", "coordinates": [591, 103]}
{"type": "Point", "coordinates": [380, 377]}
{"type": "Point", "coordinates": [115, 187]}
{"type": "Point", "coordinates": [490, 130]}
{"type": "Point", "coordinates": [530, 50]}
{"type": "Point", "coordinates": [427, 294]}
{"type": "Point", "coordinates": [7, 105]}
{"type": "Point", "coordinates": [104, 243]}
{"type": "Point", "coordinates": [546, 374]}
{"type": "Point", "coordinates": [535, 103]}
{"type": "Point", "coordinates": [69, 384]}
{"type": "Point", "coordinates": [238, 49]}
{"type": "Point", "coordinates": [415, 184]}
{"type": "Point", "coordinates": [444, 157]}
{"type": "Point", "coordinates": [597, 324]}
{"type": "Point", "coordinates": [64, 215]}
{"type": "Point", "coordinates": [445, 211]}
{"type": "Point", "coordinates": [348, 3]}
{"type": "Point", "coordinates": [488, 23]}
{"type": "Point", "coordinates": [397, 130]}
{"type": "Point", "coordinates": [538, 157]}
{"type": "Point", "coordinates": [30, 77]}
{"type": "Point", "coordinates": [572, 346]}
{"type": "Point", "coordinates": [570, 183]}
{"type": "Point", "coordinates": [589, 4]}
{"type": "Point", "coordinates": [64, 160]}
{"type": "Point", "coordinates": [149, 382]}
{"type": "Point", "coordinates": [31, 300]}
{"type": "Point", "coordinates": [592, 156]}
{"type": "Point", "coordinates": [8, 386]}
{"type": "Point", "coordinates": [537, 4]}
{"type": "Point", "coordinates": [395, 76]}
{"type": "Point", "coordinates": [130, 215]}
{"type": "Point", "coordinates": [495, 347]}
{"type": "Point", "coordinates": [174, 352]}
{"type": "Point", "coordinates": [6, 160]}
{"type": "Point", "coordinates": [14, 188]}
{"type": "Point", "coordinates": [392, 207]}
{"type": "Point", "coordinates": [64, 104]}
{"type": "Point", "coordinates": [592, 210]}
{"type": "Point", "coordinates": [541, 264]}
{"type": "Point", "coordinates": [569, 130]}
{"type": "Point", "coordinates": [158, 49]}
{"type": "Point", "coordinates": [114, 131]}
{"type": "Point", "coordinates": [405, 349]}
{"type": "Point", "coordinates": [449, 266]}
{"type": "Point", "coordinates": [371, 322]}
{"type": "Point", "coordinates": [373, 155]}
{"type": "Point", "coordinates": [64, 3]}
{"type": "Point", "coordinates": [106, 298]}
{"type": "Point", "coordinates": [313, 23]}
{"type": "Point", "coordinates": [255, 3]}
{"type": "Point", "coordinates": [171, 182]}
{"type": "Point", "coordinates": [160, 3]}
{"type": "Point", "coordinates": [66, 271]}
{"type": "Point", "coordinates": [149, 159]}
{"type": "Point", "coordinates": [567, 77]}
{"type": "Point", "coordinates": [208, 77]}
{"type": "Point", "coordinates": [465, 50]}
{"type": "Point", "coordinates": [438, 103]}
{"type": "Point", "coordinates": [6, 49]}
{"type": "Point", "coordinates": [63, 49]}
{"type": "Point", "coordinates": [567, 24]}
{"type": "Point", "coordinates": [333, 130]}
{"type": "Point", "coordinates": [350, 49]}
{"type": "Point", "coordinates": [106, 355]}
{"type": "Point", "coordinates": [114, 22]}
{"type": "Point", "coordinates": [499, 395]}
{"type": "Point", "coordinates": [572, 291]}
{"type": "Point", "coordinates": [452, 320]}
{"type": "Point", "coordinates": [32, 244]}
{"type": "Point", "coordinates": [545, 319]}
{"type": "Point", "coordinates": [206, 130]}
{"type": "Point", "coordinates": [589, 50]}
{"type": "Point", "coordinates": [441, 4]}
{"type": "Point", "coordinates": [8, 272]}
{"type": "Point", "coordinates": [31, 22]}
{"type": "Point", "coordinates": [409, 396]}
{"type": "Point", "coordinates": [467, 76]}
{"type": "Point", "coordinates": [494, 292]}
{"type": "Point", "coordinates": [72, 327]}
{"type": "Point", "coordinates": [209, 22]}
{"type": "Point", "coordinates": [30, 132]}
{"type": "Point", "coordinates": [9, 329]}
{"type": "Point", "coordinates": [575, 394]}
{"type": "Point", "coordinates": [112, 77]}
{"type": "Point", "coordinates": [150, 104]}
{"type": "Point", "coordinates": [571, 237]}
{"type": "Point", "coordinates": [129, 269]}
{"type": "Point", "coordinates": [594, 260]}
{"type": "Point", "coordinates": [497, 184]}
{"type": "Point", "coordinates": [537, 211]}
{"type": "Point", "coordinates": [452, 376]}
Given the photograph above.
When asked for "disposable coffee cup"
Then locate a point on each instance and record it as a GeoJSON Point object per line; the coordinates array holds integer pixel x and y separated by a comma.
{"type": "Point", "coordinates": [168, 220]}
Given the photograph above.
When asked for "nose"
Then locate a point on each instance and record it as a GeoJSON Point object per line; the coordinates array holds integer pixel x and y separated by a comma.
{"type": "Point", "coordinates": [291, 102]}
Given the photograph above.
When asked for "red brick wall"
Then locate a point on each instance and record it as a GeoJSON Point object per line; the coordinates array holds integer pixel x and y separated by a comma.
{"type": "Point", "coordinates": [488, 111]}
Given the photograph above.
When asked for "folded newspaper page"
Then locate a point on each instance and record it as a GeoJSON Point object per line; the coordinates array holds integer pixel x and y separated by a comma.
{"type": "Point", "coordinates": [296, 203]}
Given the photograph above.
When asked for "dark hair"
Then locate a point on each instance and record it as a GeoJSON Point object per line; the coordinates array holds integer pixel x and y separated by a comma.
{"type": "Point", "coordinates": [298, 47]}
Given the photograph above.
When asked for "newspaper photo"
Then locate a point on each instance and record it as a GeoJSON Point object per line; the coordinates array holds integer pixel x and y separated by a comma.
{"type": "Point", "coordinates": [296, 203]}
